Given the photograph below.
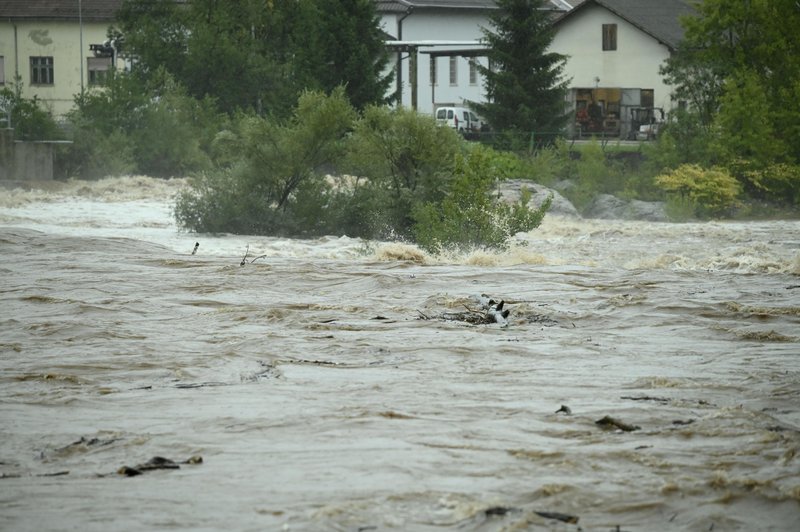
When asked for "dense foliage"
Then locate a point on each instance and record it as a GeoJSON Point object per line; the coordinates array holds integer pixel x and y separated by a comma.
{"type": "Point", "coordinates": [400, 176]}
{"type": "Point", "coordinates": [28, 118]}
{"type": "Point", "coordinates": [524, 84]}
{"type": "Point", "coordinates": [151, 127]}
{"type": "Point", "coordinates": [739, 70]}
{"type": "Point", "coordinates": [261, 55]}
{"type": "Point", "coordinates": [470, 216]}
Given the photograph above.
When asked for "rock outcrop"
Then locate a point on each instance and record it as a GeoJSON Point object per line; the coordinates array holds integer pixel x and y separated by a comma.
{"type": "Point", "coordinates": [511, 191]}
{"type": "Point", "coordinates": [608, 207]}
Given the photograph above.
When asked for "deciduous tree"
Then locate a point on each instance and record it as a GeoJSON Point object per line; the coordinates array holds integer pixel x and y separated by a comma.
{"type": "Point", "coordinates": [738, 59]}
{"type": "Point", "coordinates": [262, 54]}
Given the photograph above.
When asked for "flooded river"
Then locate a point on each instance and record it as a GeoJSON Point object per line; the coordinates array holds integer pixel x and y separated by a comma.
{"type": "Point", "coordinates": [334, 384]}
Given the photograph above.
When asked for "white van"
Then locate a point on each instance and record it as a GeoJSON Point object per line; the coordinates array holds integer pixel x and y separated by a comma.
{"type": "Point", "coordinates": [459, 118]}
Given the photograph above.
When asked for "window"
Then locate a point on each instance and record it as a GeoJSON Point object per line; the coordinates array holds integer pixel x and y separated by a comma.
{"type": "Point", "coordinates": [98, 68]}
{"type": "Point", "coordinates": [2, 70]}
{"type": "Point", "coordinates": [609, 37]}
{"type": "Point", "coordinates": [433, 70]}
{"type": "Point", "coordinates": [647, 98]}
{"type": "Point", "coordinates": [473, 72]}
{"type": "Point", "coordinates": [453, 70]}
{"type": "Point", "coordinates": [41, 70]}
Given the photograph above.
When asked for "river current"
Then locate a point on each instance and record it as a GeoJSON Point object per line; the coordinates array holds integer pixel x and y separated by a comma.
{"type": "Point", "coordinates": [337, 384]}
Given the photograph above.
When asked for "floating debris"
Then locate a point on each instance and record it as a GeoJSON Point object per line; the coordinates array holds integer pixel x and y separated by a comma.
{"type": "Point", "coordinates": [609, 421]}
{"type": "Point", "coordinates": [488, 313]}
{"type": "Point", "coordinates": [196, 245]}
{"type": "Point", "coordinates": [646, 398]}
{"type": "Point", "coordinates": [565, 409]}
{"type": "Point", "coordinates": [501, 511]}
{"type": "Point", "coordinates": [246, 253]}
{"type": "Point", "coordinates": [558, 516]}
{"type": "Point", "coordinates": [157, 462]}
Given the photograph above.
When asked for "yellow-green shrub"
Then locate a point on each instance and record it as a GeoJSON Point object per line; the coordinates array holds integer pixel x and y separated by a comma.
{"type": "Point", "coordinates": [777, 182]}
{"type": "Point", "coordinates": [712, 191]}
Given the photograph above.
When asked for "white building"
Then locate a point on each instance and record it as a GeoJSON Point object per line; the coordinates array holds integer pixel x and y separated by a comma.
{"type": "Point", "coordinates": [614, 47]}
{"type": "Point", "coordinates": [446, 36]}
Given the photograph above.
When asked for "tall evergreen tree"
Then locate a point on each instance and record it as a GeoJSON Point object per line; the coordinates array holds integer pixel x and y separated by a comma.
{"type": "Point", "coordinates": [352, 51]}
{"type": "Point", "coordinates": [524, 84]}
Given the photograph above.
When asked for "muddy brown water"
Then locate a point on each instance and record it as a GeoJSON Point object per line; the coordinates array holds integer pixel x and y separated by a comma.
{"type": "Point", "coordinates": [321, 399]}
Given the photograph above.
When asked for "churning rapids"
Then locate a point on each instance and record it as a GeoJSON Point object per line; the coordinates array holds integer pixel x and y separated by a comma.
{"type": "Point", "coordinates": [321, 398]}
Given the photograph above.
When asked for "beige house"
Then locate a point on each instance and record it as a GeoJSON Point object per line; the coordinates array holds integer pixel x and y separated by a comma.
{"type": "Point", "coordinates": [56, 48]}
{"type": "Point", "coordinates": [615, 49]}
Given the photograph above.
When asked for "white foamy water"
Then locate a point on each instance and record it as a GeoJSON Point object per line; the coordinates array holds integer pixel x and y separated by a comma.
{"type": "Point", "coordinates": [320, 398]}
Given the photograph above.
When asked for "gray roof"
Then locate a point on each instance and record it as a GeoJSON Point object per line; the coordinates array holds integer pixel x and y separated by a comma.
{"type": "Point", "coordinates": [90, 11]}
{"type": "Point", "coordinates": [404, 5]}
{"type": "Point", "coordinates": [658, 18]}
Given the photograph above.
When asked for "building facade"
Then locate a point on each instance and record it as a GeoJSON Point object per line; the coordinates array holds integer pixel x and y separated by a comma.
{"type": "Point", "coordinates": [436, 47]}
{"type": "Point", "coordinates": [614, 50]}
{"type": "Point", "coordinates": [56, 49]}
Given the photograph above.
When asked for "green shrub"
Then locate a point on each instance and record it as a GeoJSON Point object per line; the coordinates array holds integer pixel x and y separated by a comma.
{"type": "Point", "coordinates": [712, 192]}
{"type": "Point", "coordinates": [549, 164]}
{"type": "Point", "coordinates": [271, 182]}
{"type": "Point", "coordinates": [166, 132]}
{"type": "Point", "coordinates": [28, 118]}
{"type": "Point", "coordinates": [407, 159]}
{"type": "Point", "coordinates": [777, 183]}
{"type": "Point", "coordinates": [679, 208]}
{"type": "Point", "coordinates": [469, 216]}
{"type": "Point", "coordinates": [169, 139]}
{"type": "Point", "coordinates": [592, 174]}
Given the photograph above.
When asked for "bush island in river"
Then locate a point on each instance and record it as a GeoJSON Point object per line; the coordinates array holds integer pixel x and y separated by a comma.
{"type": "Point", "coordinates": [400, 175]}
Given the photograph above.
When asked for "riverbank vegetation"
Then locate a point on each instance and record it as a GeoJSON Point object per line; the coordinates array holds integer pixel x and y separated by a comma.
{"type": "Point", "coordinates": [278, 141]}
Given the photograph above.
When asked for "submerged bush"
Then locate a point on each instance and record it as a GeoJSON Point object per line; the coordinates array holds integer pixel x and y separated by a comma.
{"type": "Point", "coordinates": [407, 159]}
{"type": "Point", "coordinates": [470, 216]}
{"type": "Point", "coordinates": [712, 192]}
{"type": "Point", "coordinates": [407, 178]}
{"type": "Point", "coordinates": [271, 182]}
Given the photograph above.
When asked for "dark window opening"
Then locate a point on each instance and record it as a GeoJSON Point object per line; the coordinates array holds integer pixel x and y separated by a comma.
{"type": "Point", "coordinates": [609, 37]}
{"type": "Point", "coordinates": [41, 70]}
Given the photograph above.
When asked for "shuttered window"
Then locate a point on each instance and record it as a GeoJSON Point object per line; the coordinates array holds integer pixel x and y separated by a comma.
{"type": "Point", "coordinates": [98, 68]}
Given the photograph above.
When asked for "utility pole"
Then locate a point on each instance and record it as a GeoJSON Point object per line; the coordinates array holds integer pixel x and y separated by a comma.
{"type": "Point", "coordinates": [80, 55]}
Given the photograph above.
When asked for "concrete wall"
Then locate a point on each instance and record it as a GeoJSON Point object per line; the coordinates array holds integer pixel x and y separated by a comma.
{"type": "Point", "coordinates": [33, 161]}
{"type": "Point", "coordinates": [25, 161]}
{"type": "Point", "coordinates": [6, 153]}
